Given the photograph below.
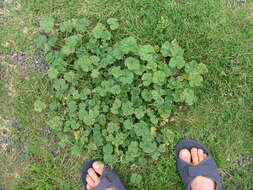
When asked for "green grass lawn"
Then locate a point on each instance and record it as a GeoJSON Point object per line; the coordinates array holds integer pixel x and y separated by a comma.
{"type": "Point", "coordinates": [215, 32]}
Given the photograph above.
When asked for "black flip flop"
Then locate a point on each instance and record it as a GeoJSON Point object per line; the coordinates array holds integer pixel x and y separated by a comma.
{"type": "Point", "coordinates": [206, 168]}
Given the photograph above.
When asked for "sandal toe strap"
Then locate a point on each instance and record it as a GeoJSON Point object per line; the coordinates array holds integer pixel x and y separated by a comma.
{"type": "Point", "coordinates": [206, 169]}
{"type": "Point", "coordinates": [109, 180]}
{"type": "Point", "coordinates": [105, 183]}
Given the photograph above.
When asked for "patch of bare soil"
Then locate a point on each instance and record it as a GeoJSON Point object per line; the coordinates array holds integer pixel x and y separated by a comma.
{"type": "Point", "coordinates": [7, 5]}
{"type": "Point", "coordinates": [25, 63]}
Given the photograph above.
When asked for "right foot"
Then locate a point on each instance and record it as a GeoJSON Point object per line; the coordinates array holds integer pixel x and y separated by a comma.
{"type": "Point", "coordinates": [194, 157]}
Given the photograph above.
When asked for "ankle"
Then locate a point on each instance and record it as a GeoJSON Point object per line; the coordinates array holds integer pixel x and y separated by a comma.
{"type": "Point", "coordinates": [202, 183]}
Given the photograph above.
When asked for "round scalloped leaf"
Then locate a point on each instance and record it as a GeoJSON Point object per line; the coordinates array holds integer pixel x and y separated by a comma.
{"type": "Point", "coordinates": [188, 96]}
{"type": "Point", "coordinates": [52, 73]}
{"type": "Point", "coordinates": [166, 49]}
{"type": "Point", "coordinates": [159, 77]}
{"type": "Point", "coordinates": [82, 24]}
{"type": "Point", "coordinates": [47, 24]}
{"type": "Point", "coordinates": [113, 23]}
{"type": "Point", "coordinates": [66, 26]}
{"type": "Point", "coordinates": [39, 106]}
{"type": "Point", "coordinates": [132, 64]}
{"type": "Point", "coordinates": [195, 79]}
{"type": "Point", "coordinates": [146, 53]}
{"type": "Point", "coordinates": [177, 62]}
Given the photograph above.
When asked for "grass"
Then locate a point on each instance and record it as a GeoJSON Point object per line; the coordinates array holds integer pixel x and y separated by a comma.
{"type": "Point", "coordinates": [217, 33]}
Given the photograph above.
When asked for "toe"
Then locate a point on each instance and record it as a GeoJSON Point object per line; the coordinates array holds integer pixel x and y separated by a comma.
{"type": "Point", "coordinates": [90, 182]}
{"type": "Point", "coordinates": [185, 155]}
{"type": "Point", "coordinates": [88, 187]}
{"type": "Point", "coordinates": [200, 155]}
{"type": "Point", "coordinates": [98, 167]}
{"type": "Point", "coordinates": [205, 156]}
{"type": "Point", "coordinates": [94, 176]}
{"type": "Point", "coordinates": [194, 155]}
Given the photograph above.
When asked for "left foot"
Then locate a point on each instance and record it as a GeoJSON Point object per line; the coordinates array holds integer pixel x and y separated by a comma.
{"type": "Point", "coordinates": [93, 178]}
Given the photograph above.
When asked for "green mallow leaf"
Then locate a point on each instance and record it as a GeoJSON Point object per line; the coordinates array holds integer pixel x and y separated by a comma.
{"type": "Point", "coordinates": [100, 32]}
{"type": "Point", "coordinates": [116, 89]}
{"type": "Point", "coordinates": [202, 69]}
{"type": "Point", "coordinates": [177, 62]}
{"type": "Point", "coordinates": [70, 45]}
{"type": "Point", "coordinates": [39, 106]}
{"type": "Point", "coordinates": [176, 51]}
{"type": "Point", "coordinates": [76, 149]}
{"type": "Point", "coordinates": [152, 65]}
{"type": "Point", "coordinates": [188, 96]}
{"type": "Point", "coordinates": [164, 111]}
{"type": "Point", "coordinates": [52, 73]}
{"type": "Point", "coordinates": [108, 149]}
{"type": "Point", "coordinates": [127, 77]}
{"type": "Point", "coordinates": [115, 106]}
{"type": "Point", "coordinates": [133, 151]}
{"type": "Point", "coordinates": [159, 77]}
{"type": "Point", "coordinates": [128, 45]}
{"type": "Point", "coordinates": [56, 122]}
{"type": "Point", "coordinates": [73, 40]}
{"type": "Point", "coordinates": [110, 158]}
{"type": "Point", "coordinates": [73, 124]}
{"type": "Point", "coordinates": [147, 79]}
{"type": "Point", "coordinates": [85, 63]}
{"type": "Point", "coordinates": [191, 67]}
{"type": "Point", "coordinates": [128, 124]}
{"type": "Point", "coordinates": [166, 49]}
{"type": "Point", "coordinates": [168, 135]}
{"type": "Point", "coordinates": [116, 72]}
{"type": "Point", "coordinates": [82, 24]}
{"type": "Point", "coordinates": [139, 112]}
{"type": "Point", "coordinates": [47, 24]}
{"type": "Point", "coordinates": [195, 79]}
{"type": "Point", "coordinates": [71, 77]}
{"type": "Point", "coordinates": [95, 73]}
{"type": "Point", "coordinates": [40, 41]}
{"type": "Point", "coordinates": [113, 23]}
{"type": "Point", "coordinates": [92, 147]}
{"type": "Point", "coordinates": [132, 64]}
{"type": "Point", "coordinates": [142, 130]}
{"type": "Point", "coordinates": [146, 53]}
{"type": "Point", "coordinates": [127, 108]}
{"type": "Point", "coordinates": [66, 26]}
{"type": "Point", "coordinates": [146, 95]}
{"type": "Point", "coordinates": [136, 179]}
{"type": "Point", "coordinates": [67, 50]}
{"type": "Point", "coordinates": [148, 146]}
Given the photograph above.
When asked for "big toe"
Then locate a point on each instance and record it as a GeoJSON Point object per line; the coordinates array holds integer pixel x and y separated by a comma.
{"type": "Point", "coordinates": [98, 167]}
{"type": "Point", "coordinates": [185, 155]}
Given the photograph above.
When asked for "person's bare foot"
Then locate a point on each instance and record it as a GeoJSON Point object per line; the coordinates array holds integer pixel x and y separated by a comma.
{"type": "Point", "coordinates": [196, 156]}
{"type": "Point", "coordinates": [92, 178]}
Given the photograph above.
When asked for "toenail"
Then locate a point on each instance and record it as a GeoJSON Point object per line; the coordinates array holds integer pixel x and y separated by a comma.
{"type": "Point", "coordinates": [96, 165]}
{"type": "Point", "coordinates": [184, 154]}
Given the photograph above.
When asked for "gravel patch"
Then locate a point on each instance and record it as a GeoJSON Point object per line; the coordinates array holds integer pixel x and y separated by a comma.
{"type": "Point", "coordinates": [241, 2]}
{"type": "Point", "coordinates": [46, 131]}
{"type": "Point", "coordinates": [9, 140]}
{"type": "Point", "coordinates": [7, 5]}
{"type": "Point", "coordinates": [26, 64]}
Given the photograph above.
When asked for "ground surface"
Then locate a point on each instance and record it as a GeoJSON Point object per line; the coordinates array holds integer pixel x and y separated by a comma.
{"type": "Point", "coordinates": [216, 32]}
